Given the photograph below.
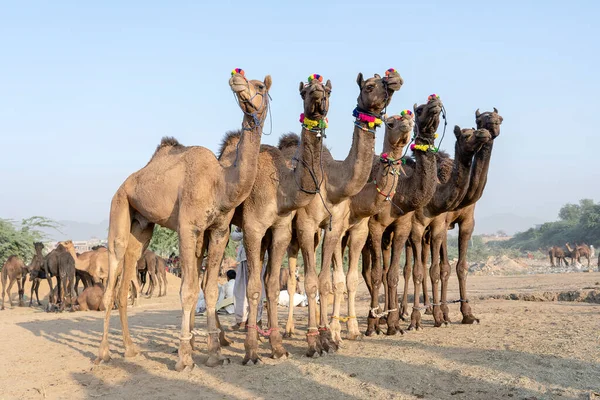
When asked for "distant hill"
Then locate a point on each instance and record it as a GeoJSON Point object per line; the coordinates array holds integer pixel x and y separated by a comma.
{"type": "Point", "coordinates": [78, 231]}
{"type": "Point", "coordinates": [507, 222]}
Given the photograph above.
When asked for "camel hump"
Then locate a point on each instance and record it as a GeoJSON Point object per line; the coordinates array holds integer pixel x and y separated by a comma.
{"type": "Point", "coordinates": [168, 141]}
{"type": "Point", "coordinates": [231, 138]}
{"type": "Point", "coordinates": [288, 140]}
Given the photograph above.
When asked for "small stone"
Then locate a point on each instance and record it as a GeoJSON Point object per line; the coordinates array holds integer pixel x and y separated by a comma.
{"type": "Point", "coordinates": [353, 375]}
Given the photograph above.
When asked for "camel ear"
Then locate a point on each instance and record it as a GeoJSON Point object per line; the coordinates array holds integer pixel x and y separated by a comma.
{"type": "Point", "coordinates": [268, 82]}
{"type": "Point", "coordinates": [457, 131]}
{"type": "Point", "coordinates": [359, 80]}
{"type": "Point", "coordinates": [415, 108]}
{"type": "Point", "coordinates": [301, 87]}
{"type": "Point", "coordinates": [377, 76]}
{"type": "Point", "coordinates": [495, 110]}
{"type": "Point", "coordinates": [477, 113]}
{"type": "Point", "coordinates": [328, 84]}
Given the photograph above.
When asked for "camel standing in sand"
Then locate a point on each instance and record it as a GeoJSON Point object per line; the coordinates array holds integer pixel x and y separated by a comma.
{"type": "Point", "coordinates": [464, 216]}
{"type": "Point", "coordinates": [154, 267]}
{"type": "Point", "coordinates": [266, 215]}
{"type": "Point", "coordinates": [341, 180]}
{"type": "Point", "coordinates": [36, 272]}
{"type": "Point", "coordinates": [94, 262]}
{"type": "Point", "coordinates": [351, 217]}
{"type": "Point", "coordinates": [583, 250]}
{"type": "Point", "coordinates": [13, 270]}
{"type": "Point", "coordinates": [61, 264]}
{"type": "Point", "coordinates": [558, 254]}
{"type": "Point", "coordinates": [448, 196]}
{"type": "Point", "coordinates": [187, 190]}
{"type": "Point", "coordinates": [393, 224]}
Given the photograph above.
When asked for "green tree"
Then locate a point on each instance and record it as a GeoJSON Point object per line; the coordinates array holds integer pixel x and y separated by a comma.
{"type": "Point", "coordinates": [570, 213]}
{"type": "Point", "coordinates": [17, 238]}
{"type": "Point", "coordinates": [164, 241]}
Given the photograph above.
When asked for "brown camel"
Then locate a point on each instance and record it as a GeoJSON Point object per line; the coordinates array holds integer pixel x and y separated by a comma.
{"type": "Point", "coordinates": [151, 264]}
{"type": "Point", "coordinates": [573, 254]}
{"type": "Point", "coordinates": [60, 263]}
{"type": "Point", "coordinates": [559, 254]}
{"type": "Point", "coordinates": [13, 270]}
{"type": "Point", "coordinates": [187, 190]}
{"type": "Point", "coordinates": [415, 190]}
{"type": "Point", "coordinates": [94, 262]}
{"type": "Point", "coordinates": [351, 217]}
{"type": "Point", "coordinates": [583, 250]}
{"type": "Point", "coordinates": [90, 299]}
{"type": "Point", "coordinates": [464, 216]}
{"type": "Point", "coordinates": [341, 180]}
{"type": "Point", "coordinates": [36, 272]}
{"type": "Point", "coordinates": [448, 196]}
{"type": "Point", "coordinates": [266, 215]}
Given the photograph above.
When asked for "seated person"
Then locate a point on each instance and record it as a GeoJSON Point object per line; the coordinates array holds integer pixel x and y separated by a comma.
{"type": "Point", "coordinates": [225, 300]}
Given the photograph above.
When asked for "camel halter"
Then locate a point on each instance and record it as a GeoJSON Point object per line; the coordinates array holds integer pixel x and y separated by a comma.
{"type": "Point", "coordinates": [258, 122]}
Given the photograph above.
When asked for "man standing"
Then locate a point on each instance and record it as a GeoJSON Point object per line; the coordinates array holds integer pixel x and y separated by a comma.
{"type": "Point", "coordinates": [240, 301]}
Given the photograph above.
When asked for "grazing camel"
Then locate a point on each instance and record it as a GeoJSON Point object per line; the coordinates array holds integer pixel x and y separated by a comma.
{"type": "Point", "coordinates": [393, 224]}
{"type": "Point", "coordinates": [266, 214]}
{"type": "Point", "coordinates": [187, 190]}
{"type": "Point", "coordinates": [559, 254]}
{"type": "Point", "coordinates": [13, 270]}
{"type": "Point", "coordinates": [36, 272]}
{"type": "Point", "coordinates": [341, 180]}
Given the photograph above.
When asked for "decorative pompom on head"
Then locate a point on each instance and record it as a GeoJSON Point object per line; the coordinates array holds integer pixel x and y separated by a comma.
{"type": "Point", "coordinates": [315, 76]}
{"type": "Point", "coordinates": [406, 113]}
{"type": "Point", "coordinates": [433, 97]}
{"type": "Point", "coordinates": [238, 71]}
{"type": "Point", "coordinates": [390, 71]}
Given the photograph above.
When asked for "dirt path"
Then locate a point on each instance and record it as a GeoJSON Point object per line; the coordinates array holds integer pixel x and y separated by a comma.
{"type": "Point", "coordinates": [520, 350]}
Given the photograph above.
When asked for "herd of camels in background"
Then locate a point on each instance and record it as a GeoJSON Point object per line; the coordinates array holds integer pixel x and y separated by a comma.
{"type": "Point", "coordinates": [574, 253]}
{"type": "Point", "coordinates": [291, 197]}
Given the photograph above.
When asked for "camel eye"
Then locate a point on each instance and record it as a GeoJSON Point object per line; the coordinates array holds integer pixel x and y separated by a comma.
{"type": "Point", "coordinates": [261, 87]}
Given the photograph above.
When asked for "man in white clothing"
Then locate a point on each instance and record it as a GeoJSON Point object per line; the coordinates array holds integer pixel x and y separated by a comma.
{"type": "Point", "coordinates": [241, 282]}
{"type": "Point", "coordinates": [225, 302]}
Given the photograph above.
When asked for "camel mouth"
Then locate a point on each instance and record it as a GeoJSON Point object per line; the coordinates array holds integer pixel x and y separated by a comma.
{"type": "Point", "coordinates": [238, 83]}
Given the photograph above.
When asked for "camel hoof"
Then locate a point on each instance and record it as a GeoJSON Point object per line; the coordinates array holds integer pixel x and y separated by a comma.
{"type": "Point", "coordinates": [251, 361]}
{"type": "Point", "coordinates": [131, 352]}
{"type": "Point", "coordinates": [369, 332]}
{"type": "Point", "coordinates": [279, 353]}
{"type": "Point", "coordinates": [181, 366]}
{"type": "Point", "coordinates": [354, 336]}
{"type": "Point", "coordinates": [224, 342]}
{"type": "Point", "coordinates": [288, 335]}
{"type": "Point", "coordinates": [429, 311]}
{"type": "Point", "coordinates": [469, 319]}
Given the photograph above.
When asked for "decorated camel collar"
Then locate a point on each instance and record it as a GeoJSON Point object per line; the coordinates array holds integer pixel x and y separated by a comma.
{"type": "Point", "coordinates": [312, 125]}
{"type": "Point", "coordinates": [426, 147]}
{"type": "Point", "coordinates": [372, 121]}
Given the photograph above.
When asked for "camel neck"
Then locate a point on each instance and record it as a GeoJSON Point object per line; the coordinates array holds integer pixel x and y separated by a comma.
{"type": "Point", "coordinates": [241, 174]}
{"type": "Point", "coordinates": [307, 175]}
{"type": "Point", "coordinates": [348, 177]}
{"type": "Point", "coordinates": [448, 195]}
{"type": "Point", "coordinates": [479, 172]}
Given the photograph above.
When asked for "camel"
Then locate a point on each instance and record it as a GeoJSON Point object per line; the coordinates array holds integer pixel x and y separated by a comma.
{"type": "Point", "coordinates": [393, 224]}
{"type": "Point", "coordinates": [341, 180]}
{"type": "Point", "coordinates": [83, 277]}
{"type": "Point", "coordinates": [94, 262]}
{"type": "Point", "coordinates": [583, 250]}
{"type": "Point", "coordinates": [447, 197]}
{"type": "Point", "coordinates": [577, 252]}
{"type": "Point", "coordinates": [464, 216]}
{"type": "Point", "coordinates": [36, 272]}
{"type": "Point", "coordinates": [90, 299]}
{"type": "Point", "coordinates": [266, 214]}
{"type": "Point", "coordinates": [13, 270]}
{"type": "Point", "coordinates": [151, 264]}
{"type": "Point", "coordinates": [187, 190]}
{"type": "Point", "coordinates": [60, 263]}
{"type": "Point", "coordinates": [559, 254]}
{"type": "Point", "coordinates": [350, 219]}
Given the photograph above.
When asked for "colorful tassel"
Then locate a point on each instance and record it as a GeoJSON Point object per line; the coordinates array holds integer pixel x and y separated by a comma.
{"type": "Point", "coordinates": [390, 71]}
{"type": "Point", "coordinates": [315, 76]}
{"type": "Point", "coordinates": [433, 97]}
{"type": "Point", "coordinates": [238, 71]}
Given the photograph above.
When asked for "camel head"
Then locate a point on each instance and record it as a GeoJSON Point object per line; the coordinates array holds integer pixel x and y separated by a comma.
{"type": "Point", "coordinates": [376, 92]}
{"type": "Point", "coordinates": [252, 95]}
{"type": "Point", "coordinates": [38, 246]}
{"type": "Point", "coordinates": [469, 141]}
{"type": "Point", "coordinates": [428, 117]}
{"type": "Point", "coordinates": [316, 97]}
{"type": "Point", "coordinates": [398, 129]}
{"type": "Point", "coordinates": [68, 246]}
{"type": "Point", "coordinates": [489, 120]}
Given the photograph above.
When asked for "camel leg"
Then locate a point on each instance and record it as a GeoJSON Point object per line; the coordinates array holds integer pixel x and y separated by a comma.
{"type": "Point", "coordinates": [464, 235]}
{"type": "Point", "coordinates": [279, 242]}
{"type": "Point", "coordinates": [31, 295]}
{"type": "Point", "coordinates": [356, 244]}
{"type": "Point", "coordinates": [189, 293]}
{"type": "Point", "coordinates": [136, 292]}
{"type": "Point", "coordinates": [386, 256]}
{"type": "Point", "coordinates": [152, 284]}
{"type": "Point", "coordinates": [425, 252]}
{"type": "Point", "coordinates": [4, 278]}
{"type": "Point", "coordinates": [307, 244]}
{"type": "Point", "coordinates": [330, 242]}
{"type": "Point", "coordinates": [437, 238]}
{"type": "Point", "coordinates": [20, 286]}
{"type": "Point", "coordinates": [407, 273]}
{"type": "Point", "coordinates": [37, 288]}
{"type": "Point", "coordinates": [253, 238]}
{"type": "Point", "coordinates": [445, 276]}
{"type": "Point", "coordinates": [10, 285]}
{"type": "Point", "coordinates": [376, 272]}
{"type": "Point", "coordinates": [416, 237]}
{"type": "Point", "coordinates": [292, 253]}
{"type": "Point", "coordinates": [366, 253]}
{"type": "Point", "coordinates": [393, 319]}
{"type": "Point", "coordinates": [339, 287]}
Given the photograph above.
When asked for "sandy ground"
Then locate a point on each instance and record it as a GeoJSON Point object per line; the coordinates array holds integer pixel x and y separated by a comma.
{"type": "Point", "coordinates": [521, 350]}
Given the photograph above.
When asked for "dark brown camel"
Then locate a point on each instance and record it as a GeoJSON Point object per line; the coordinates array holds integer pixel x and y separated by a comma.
{"type": "Point", "coordinates": [13, 270]}
{"type": "Point", "coordinates": [558, 254]}
{"type": "Point", "coordinates": [415, 189]}
{"type": "Point", "coordinates": [464, 216]}
{"type": "Point", "coordinates": [583, 250]}
{"type": "Point", "coordinates": [61, 264]}
{"type": "Point", "coordinates": [36, 272]}
{"type": "Point", "coordinates": [155, 269]}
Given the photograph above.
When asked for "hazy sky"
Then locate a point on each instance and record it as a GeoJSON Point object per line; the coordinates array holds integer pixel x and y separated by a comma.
{"type": "Point", "coordinates": [88, 89]}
